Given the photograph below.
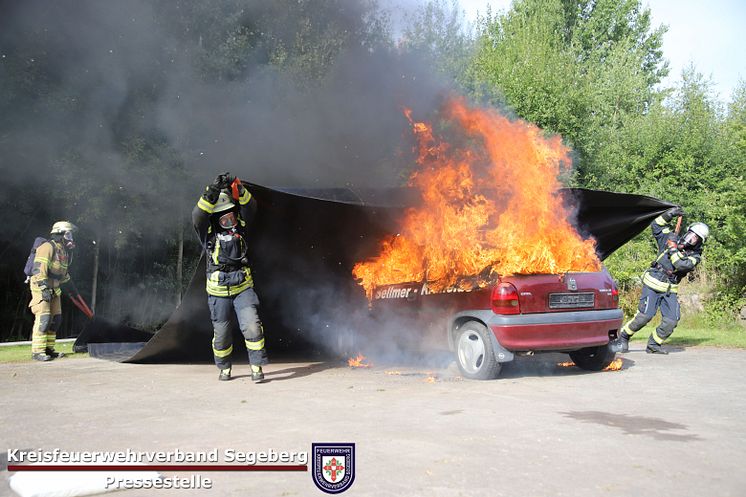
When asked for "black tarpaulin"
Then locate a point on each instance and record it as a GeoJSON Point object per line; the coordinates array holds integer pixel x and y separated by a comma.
{"type": "Point", "coordinates": [305, 243]}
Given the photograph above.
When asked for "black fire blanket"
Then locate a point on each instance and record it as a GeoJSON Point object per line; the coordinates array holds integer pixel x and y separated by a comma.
{"type": "Point", "coordinates": [304, 245]}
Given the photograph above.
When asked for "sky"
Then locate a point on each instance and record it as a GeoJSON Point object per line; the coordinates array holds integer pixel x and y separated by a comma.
{"type": "Point", "coordinates": [709, 34]}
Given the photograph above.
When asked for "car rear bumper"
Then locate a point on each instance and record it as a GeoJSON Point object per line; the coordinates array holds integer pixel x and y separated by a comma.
{"type": "Point", "coordinates": [556, 330]}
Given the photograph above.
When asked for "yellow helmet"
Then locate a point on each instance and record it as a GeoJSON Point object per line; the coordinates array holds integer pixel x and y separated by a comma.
{"type": "Point", "coordinates": [61, 227]}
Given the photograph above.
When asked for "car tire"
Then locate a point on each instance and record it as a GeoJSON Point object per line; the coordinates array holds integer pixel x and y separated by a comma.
{"type": "Point", "coordinates": [593, 358]}
{"type": "Point", "coordinates": [474, 353]}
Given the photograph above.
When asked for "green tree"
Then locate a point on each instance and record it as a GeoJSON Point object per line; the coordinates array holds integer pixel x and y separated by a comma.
{"type": "Point", "coordinates": [688, 151]}
{"type": "Point", "coordinates": [574, 68]}
{"type": "Point", "coordinates": [439, 33]}
{"type": "Point", "coordinates": [590, 70]}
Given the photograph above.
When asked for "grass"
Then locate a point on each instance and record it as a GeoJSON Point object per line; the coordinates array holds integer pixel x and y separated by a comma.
{"type": "Point", "coordinates": [692, 332]}
{"type": "Point", "coordinates": [22, 353]}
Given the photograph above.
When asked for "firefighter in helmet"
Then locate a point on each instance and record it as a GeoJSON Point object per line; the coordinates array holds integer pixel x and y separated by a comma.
{"type": "Point", "coordinates": [51, 263]}
{"type": "Point", "coordinates": [677, 257]}
{"type": "Point", "coordinates": [222, 225]}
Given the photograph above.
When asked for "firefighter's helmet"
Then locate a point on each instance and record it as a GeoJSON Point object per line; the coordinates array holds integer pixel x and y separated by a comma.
{"type": "Point", "coordinates": [224, 203]}
{"type": "Point", "coordinates": [701, 232]}
{"type": "Point", "coordinates": [62, 227]}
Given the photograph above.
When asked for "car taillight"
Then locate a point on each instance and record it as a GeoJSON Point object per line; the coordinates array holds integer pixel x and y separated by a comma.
{"type": "Point", "coordinates": [505, 299]}
{"type": "Point", "coordinates": [615, 296]}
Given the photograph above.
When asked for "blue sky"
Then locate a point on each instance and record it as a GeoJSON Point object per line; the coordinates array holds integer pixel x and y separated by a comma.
{"type": "Point", "coordinates": [711, 34]}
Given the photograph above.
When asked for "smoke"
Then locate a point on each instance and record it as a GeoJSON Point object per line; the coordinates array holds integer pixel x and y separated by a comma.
{"type": "Point", "coordinates": [107, 77]}
{"type": "Point", "coordinates": [344, 133]}
{"type": "Point", "coordinates": [338, 321]}
{"type": "Point", "coordinates": [116, 114]}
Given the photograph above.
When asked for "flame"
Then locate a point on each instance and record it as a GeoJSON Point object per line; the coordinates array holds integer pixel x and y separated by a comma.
{"type": "Point", "coordinates": [430, 379]}
{"type": "Point", "coordinates": [358, 362]}
{"type": "Point", "coordinates": [567, 364]}
{"type": "Point", "coordinates": [490, 207]}
{"type": "Point", "coordinates": [393, 373]}
{"type": "Point", "coordinates": [615, 365]}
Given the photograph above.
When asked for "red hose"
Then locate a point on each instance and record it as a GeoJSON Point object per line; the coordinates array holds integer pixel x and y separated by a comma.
{"type": "Point", "coordinates": [80, 304]}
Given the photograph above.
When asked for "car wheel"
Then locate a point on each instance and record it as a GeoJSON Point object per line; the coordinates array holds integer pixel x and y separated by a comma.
{"type": "Point", "coordinates": [593, 358]}
{"type": "Point", "coordinates": [474, 354]}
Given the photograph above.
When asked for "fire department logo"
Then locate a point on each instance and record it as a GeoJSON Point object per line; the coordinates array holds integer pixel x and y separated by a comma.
{"type": "Point", "coordinates": [333, 467]}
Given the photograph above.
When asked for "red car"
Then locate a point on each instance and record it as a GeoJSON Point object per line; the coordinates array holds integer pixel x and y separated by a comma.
{"type": "Point", "coordinates": [576, 313]}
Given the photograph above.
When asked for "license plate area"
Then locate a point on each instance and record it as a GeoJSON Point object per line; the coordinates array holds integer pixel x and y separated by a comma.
{"type": "Point", "coordinates": [571, 300]}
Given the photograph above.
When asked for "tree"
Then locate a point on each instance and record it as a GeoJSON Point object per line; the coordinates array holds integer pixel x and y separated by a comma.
{"type": "Point", "coordinates": [687, 151]}
{"type": "Point", "coordinates": [574, 68]}
{"type": "Point", "coordinates": [589, 70]}
{"type": "Point", "coordinates": [439, 34]}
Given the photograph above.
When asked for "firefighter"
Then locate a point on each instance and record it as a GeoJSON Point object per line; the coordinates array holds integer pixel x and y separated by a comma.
{"type": "Point", "coordinates": [50, 271]}
{"type": "Point", "coordinates": [222, 225]}
{"type": "Point", "coordinates": [677, 257]}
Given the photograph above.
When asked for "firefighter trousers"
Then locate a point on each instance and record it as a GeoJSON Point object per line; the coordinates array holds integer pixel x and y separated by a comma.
{"type": "Point", "coordinates": [650, 301]}
{"type": "Point", "coordinates": [244, 306]}
{"type": "Point", "coordinates": [47, 320]}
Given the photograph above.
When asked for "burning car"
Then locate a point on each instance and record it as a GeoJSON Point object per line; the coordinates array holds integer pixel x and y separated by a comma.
{"type": "Point", "coordinates": [576, 313]}
{"type": "Point", "coordinates": [507, 268]}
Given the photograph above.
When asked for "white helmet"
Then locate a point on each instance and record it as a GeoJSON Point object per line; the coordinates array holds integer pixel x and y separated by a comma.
{"type": "Point", "coordinates": [224, 203]}
{"type": "Point", "coordinates": [61, 227]}
{"type": "Point", "coordinates": [701, 231]}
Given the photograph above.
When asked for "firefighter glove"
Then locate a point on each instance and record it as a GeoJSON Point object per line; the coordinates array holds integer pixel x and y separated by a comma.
{"type": "Point", "coordinates": [46, 294]}
{"type": "Point", "coordinates": [240, 188]}
{"type": "Point", "coordinates": [212, 192]}
{"type": "Point", "coordinates": [223, 181]}
{"type": "Point", "coordinates": [673, 212]}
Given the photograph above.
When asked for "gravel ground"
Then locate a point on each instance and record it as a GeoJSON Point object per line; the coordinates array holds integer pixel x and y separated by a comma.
{"type": "Point", "coordinates": [661, 426]}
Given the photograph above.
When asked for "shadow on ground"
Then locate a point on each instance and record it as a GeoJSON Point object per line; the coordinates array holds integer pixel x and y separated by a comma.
{"type": "Point", "coordinates": [552, 364]}
{"type": "Point", "coordinates": [295, 372]}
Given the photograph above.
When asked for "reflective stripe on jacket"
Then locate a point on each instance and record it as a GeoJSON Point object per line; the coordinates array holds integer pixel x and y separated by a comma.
{"type": "Point", "coordinates": [51, 264]}
{"type": "Point", "coordinates": [227, 267]}
{"type": "Point", "coordinates": [672, 264]}
{"type": "Point", "coordinates": [227, 284]}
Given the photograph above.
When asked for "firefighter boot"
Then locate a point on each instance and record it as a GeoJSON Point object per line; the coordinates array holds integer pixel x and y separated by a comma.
{"type": "Point", "coordinates": [54, 355]}
{"type": "Point", "coordinates": [41, 356]}
{"type": "Point", "coordinates": [225, 374]}
{"type": "Point", "coordinates": [257, 375]}
{"type": "Point", "coordinates": [621, 344]}
{"type": "Point", "coordinates": [654, 347]}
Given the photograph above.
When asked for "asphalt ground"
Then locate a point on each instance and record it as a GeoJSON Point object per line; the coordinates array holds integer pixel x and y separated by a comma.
{"type": "Point", "coordinates": [662, 426]}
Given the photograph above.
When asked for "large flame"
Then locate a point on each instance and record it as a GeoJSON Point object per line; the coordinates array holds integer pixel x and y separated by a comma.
{"type": "Point", "coordinates": [490, 207]}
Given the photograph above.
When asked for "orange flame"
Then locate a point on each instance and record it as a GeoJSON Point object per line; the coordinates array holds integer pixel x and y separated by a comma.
{"type": "Point", "coordinates": [358, 362]}
{"type": "Point", "coordinates": [615, 365]}
{"type": "Point", "coordinates": [490, 207]}
{"type": "Point", "coordinates": [567, 364]}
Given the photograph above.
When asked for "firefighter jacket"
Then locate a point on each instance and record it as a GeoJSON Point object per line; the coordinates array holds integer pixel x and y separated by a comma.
{"type": "Point", "coordinates": [226, 251]}
{"type": "Point", "coordinates": [673, 261]}
{"type": "Point", "coordinates": [50, 268]}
